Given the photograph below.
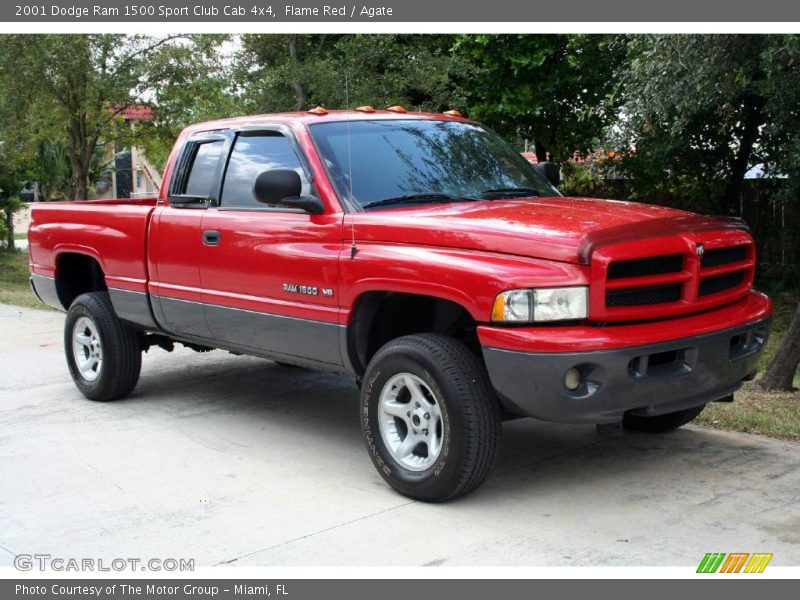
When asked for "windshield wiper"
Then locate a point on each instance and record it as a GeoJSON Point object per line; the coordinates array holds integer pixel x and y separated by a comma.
{"type": "Point", "coordinates": [419, 199]}
{"type": "Point", "coordinates": [514, 192]}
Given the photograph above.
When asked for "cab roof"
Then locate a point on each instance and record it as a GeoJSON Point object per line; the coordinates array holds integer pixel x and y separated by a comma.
{"type": "Point", "coordinates": [310, 118]}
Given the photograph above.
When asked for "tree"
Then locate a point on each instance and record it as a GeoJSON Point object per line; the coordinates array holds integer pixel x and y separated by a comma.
{"type": "Point", "coordinates": [187, 83]}
{"type": "Point", "coordinates": [286, 72]}
{"type": "Point", "coordinates": [695, 107]}
{"type": "Point", "coordinates": [11, 183]}
{"type": "Point", "coordinates": [781, 371]}
{"type": "Point", "coordinates": [12, 177]}
{"type": "Point", "coordinates": [553, 89]}
{"type": "Point", "coordinates": [699, 111]}
{"type": "Point", "coordinates": [73, 89]}
{"type": "Point", "coordinates": [297, 72]}
{"type": "Point", "coordinates": [780, 146]}
{"type": "Point", "coordinates": [51, 171]}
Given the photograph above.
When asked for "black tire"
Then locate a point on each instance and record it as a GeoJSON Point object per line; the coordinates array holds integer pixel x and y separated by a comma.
{"type": "Point", "coordinates": [469, 426]}
{"type": "Point", "coordinates": [661, 423]}
{"type": "Point", "coordinates": [121, 349]}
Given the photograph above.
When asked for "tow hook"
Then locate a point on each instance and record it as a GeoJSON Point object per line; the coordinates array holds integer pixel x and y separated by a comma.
{"type": "Point", "coordinates": [610, 430]}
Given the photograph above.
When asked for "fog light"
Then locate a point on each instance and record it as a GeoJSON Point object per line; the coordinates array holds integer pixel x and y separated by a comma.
{"type": "Point", "coordinates": [572, 379]}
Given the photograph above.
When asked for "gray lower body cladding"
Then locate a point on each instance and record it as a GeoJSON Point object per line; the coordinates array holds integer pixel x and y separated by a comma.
{"type": "Point", "coordinates": [313, 343]}
{"type": "Point", "coordinates": [649, 380]}
{"type": "Point", "coordinates": [45, 290]}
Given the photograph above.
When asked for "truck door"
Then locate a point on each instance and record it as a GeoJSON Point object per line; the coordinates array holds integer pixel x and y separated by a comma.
{"type": "Point", "coordinates": [175, 242]}
{"type": "Point", "coordinates": [269, 273]}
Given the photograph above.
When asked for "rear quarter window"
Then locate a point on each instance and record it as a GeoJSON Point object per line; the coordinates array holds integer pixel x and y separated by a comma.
{"type": "Point", "coordinates": [203, 169]}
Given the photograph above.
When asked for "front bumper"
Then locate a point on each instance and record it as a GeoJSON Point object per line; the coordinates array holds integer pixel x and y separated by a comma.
{"type": "Point", "coordinates": [649, 379]}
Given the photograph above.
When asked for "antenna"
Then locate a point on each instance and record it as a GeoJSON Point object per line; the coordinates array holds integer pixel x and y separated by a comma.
{"type": "Point", "coordinates": [353, 248]}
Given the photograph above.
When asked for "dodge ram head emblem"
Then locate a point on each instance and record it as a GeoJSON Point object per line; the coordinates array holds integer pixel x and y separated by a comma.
{"type": "Point", "coordinates": [700, 250]}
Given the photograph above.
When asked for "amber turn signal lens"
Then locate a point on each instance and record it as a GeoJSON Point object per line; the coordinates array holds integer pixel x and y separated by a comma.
{"type": "Point", "coordinates": [498, 309]}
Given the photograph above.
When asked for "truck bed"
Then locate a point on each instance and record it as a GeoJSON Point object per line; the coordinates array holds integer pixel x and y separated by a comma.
{"type": "Point", "coordinates": [112, 232]}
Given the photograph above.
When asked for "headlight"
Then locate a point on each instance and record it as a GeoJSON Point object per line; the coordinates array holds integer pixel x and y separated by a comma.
{"type": "Point", "coordinates": [546, 304]}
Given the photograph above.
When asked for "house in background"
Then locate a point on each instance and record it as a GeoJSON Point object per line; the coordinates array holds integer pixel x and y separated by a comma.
{"type": "Point", "coordinates": [129, 174]}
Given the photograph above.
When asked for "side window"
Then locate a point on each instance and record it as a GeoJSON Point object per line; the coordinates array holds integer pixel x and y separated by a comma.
{"type": "Point", "coordinates": [203, 169]}
{"type": "Point", "coordinates": [251, 155]}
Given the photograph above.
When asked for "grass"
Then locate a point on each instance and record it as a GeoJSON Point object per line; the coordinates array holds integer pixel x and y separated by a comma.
{"type": "Point", "coordinates": [20, 236]}
{"type": "Point", "coordinates": [14, 286]}
{"type": "Point", "coordinates": [775, 415]}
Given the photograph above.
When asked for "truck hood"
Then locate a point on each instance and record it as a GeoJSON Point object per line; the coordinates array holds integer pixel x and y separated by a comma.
{"type": "Point", "coordinates": [554, 228]}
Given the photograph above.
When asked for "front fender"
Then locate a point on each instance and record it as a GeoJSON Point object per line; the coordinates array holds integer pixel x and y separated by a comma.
{"type": "Point", "coordinates": [470, 279]}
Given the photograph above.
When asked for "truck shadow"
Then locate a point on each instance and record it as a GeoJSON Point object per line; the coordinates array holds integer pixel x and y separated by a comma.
{"type": "Point", "coordinates": [320, 411]}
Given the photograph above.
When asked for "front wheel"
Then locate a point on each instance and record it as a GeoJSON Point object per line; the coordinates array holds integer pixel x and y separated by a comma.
{"type": "Point", "coordinates": [103, 353]}
{"type": "Point", "coordinates": [661, 423]}
{"type": "Point", "coordinates": [429, 417]}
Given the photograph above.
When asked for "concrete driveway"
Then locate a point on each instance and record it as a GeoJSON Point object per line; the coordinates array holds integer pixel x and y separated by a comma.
{"type": "Point", "coordinates": [237, 460]}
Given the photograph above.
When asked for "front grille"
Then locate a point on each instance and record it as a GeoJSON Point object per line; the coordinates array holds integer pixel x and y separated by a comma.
{"type": "Point", "coordinates": [720, 283]}
{"type": "Point", "coordinates": [637, 286]}
{"type": "Point", "coordinates": [644, 296]}
{"type": "Point", "coordinates": [723, 256]}
{"type": "Point", "coordinates": [642, 267]}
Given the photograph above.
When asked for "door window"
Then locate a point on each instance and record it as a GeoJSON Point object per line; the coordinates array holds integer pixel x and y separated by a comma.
{"type": "Point", "coordinates": [251, 155]}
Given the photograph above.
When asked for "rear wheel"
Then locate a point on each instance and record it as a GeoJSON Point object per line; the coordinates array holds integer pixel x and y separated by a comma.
{"type": "Point", "coordinates": [661, 423]}
{"type": "Point", "coordinates": [104, 355]}
{"type": "Point", "coordinates": [429, 416]}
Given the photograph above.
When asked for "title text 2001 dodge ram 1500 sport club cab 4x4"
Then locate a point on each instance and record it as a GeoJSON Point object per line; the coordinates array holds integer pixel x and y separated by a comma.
{"type": "Point", "coordinates": [426, 257]}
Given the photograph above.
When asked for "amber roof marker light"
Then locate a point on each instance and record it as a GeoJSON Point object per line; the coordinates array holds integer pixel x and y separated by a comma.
{"type": "Point", "coordinates": [366, 109]}
{"type": "Point", "coordinates": [397, 109]}
{"type": "Point", "coordinates": [452, 113]}
{"type": "Point", "coordinates": [318, 111]}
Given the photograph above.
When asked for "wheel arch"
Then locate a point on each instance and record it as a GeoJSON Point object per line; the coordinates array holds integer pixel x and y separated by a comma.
{"type": "Point", "coordinates": [379, 316]}
{"type": "Point", "coordinates": [77, 273]}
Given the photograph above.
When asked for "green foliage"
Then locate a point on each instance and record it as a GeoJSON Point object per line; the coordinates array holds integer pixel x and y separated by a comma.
{"type": "Point", "coordinates": [552, 89]}
{"type": "Point", "coordinates": [700, 110]}
{"type": "Point", "coordinates": [188, 82]}
{"type": "Point", "coordinates": [296, 72]}
{"type": "Point", "coordinates": [72, 89]}
{"type": "Point", "coordinates": [12, 179]}
{"type": "Point", "coordinates": [588, 178]}
{"type": "Point", "coordinates": [51, 170]}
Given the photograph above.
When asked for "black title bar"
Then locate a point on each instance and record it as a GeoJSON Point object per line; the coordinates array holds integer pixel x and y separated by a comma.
{"type": "Point", "coordinates": [310, 11]}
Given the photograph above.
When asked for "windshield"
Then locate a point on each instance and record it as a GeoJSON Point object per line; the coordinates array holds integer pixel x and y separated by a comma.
{"type": "Point", "coordinates": [408, 161]}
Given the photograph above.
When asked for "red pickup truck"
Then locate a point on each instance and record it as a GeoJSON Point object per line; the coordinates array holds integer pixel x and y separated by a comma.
{"type": "Point", "coordinates": [421, 254]}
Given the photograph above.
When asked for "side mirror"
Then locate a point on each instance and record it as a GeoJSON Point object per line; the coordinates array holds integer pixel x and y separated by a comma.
{"type": "Point", "coordinates": [549, 171]}
{"type": "Point", "coordinates": [283, 188]}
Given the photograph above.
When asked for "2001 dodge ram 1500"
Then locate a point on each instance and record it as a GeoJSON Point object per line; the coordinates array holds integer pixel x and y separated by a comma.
{"type": "Point", "coordinates": [423, 255]}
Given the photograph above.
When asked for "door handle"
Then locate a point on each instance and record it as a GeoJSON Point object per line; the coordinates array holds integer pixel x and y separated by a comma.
{"type": "Point", "coordinates": [211, 237]}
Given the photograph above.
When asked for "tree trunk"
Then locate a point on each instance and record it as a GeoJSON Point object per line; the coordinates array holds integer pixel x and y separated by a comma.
{"type": "Point", "coordinates": [10, 243]}
{"type": "Point", "coordinates": [540, 150]}
{"type": "Point", "coordinates": [299, 89]}
{"type": "Point", "coordinates": [780, 373]}
{"type": "Point", "coordinates": [80, 148]}
{"type": "Point", "coordinates": [79, 183]}
{"type": "Point", "coordinates": [751, 121]}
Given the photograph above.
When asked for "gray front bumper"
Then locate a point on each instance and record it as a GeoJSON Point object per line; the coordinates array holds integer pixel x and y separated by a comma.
{"type": "Point", "coordinates": [650, 380]}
